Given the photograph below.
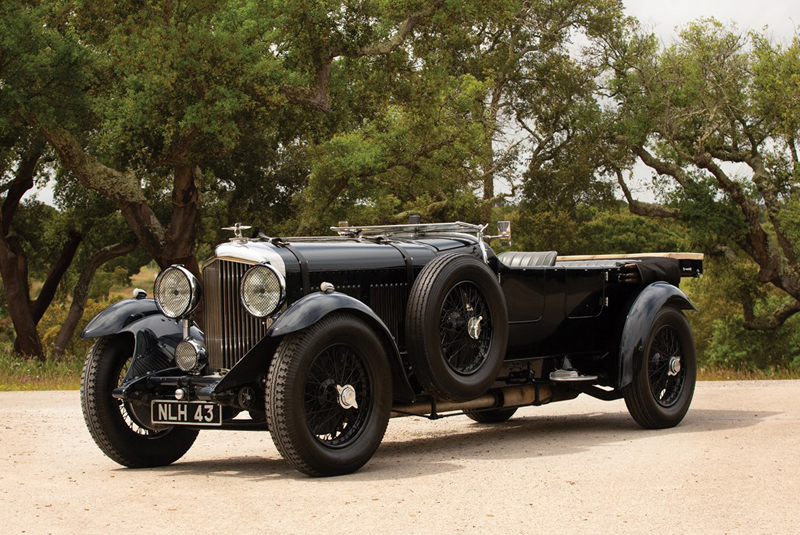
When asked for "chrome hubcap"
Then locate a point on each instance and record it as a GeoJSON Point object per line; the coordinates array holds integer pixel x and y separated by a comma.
{"type": "Point", "coordinates": [674, 366]}
{"type": "Point", "coordinates": [474, 327]}
{"type": "Point", "coordinates": [347, 397]}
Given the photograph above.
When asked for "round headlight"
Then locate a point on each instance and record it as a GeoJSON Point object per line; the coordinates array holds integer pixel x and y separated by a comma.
{"type": "Point", "coordinates": [263, 290]}
{"type": "Point", "coordinates": [177, 291]}
{"type": "Point", "coordinates": [190, 356]}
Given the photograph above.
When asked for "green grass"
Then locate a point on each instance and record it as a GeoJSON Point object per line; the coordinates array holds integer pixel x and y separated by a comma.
{"type": "Point", "coordinates": [21, 374]}
{"type": "Point", "coordinates": [715, 373]}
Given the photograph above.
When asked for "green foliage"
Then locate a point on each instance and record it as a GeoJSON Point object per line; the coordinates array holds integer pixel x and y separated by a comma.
{"type": "Point", "coordinates": [732, 346]}
{"type": "Point", "coordinates": [721, 339]}
{"type": "Point", "coordinates": [594, 231]}
{"type": "Point", "coordinates": [408, 160]}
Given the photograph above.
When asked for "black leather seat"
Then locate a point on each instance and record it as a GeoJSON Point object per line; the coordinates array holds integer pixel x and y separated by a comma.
{"type": "Point", "coordinates": [528, 259]}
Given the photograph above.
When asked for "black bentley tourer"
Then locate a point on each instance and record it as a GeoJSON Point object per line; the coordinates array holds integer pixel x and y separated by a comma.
{"type": "Point", "coordinates": [320, 340]}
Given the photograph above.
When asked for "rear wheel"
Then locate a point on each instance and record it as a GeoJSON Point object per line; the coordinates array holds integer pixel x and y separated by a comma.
{"type": "Point", "coordinates": [661, 392]}
{"type": "Point", "coordinates": [114, 424]}
{"type": "Point", "coordinates": [329, 396]}
{"type": "Point", "coordinates": [491, 416]}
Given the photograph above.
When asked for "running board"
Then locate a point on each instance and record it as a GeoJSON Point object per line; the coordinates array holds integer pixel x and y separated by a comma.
{"type": "Point", "coordinates": [571, 376]}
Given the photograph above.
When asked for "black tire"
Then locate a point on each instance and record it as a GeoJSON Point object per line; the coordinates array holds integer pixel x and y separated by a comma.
{"type": "Point", "coordinates": [311, 428]}
{"type": "Point", "coordinates": [113, 424]}
{"type": "Point", "coordinates": [491, 416]}
{"type": "Point", "coordinates": [659, 397]}
{"type": "Point", "coordinates": [449, 361]}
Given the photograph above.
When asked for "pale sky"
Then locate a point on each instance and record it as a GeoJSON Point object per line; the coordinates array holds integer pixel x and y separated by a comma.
{"type": "Point", "coordinates": [782, 16]}
{"type": "Point", "coordinates": [664, 18]}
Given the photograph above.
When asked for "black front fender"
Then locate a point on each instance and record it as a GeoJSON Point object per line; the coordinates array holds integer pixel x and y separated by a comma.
{"type": "Point", "coordinates": [313, 307]}
{"type": "Point", "coordinates": [639, 322]}
{"type": "Point", "coordinates": [116, 317]}
{"type": "Point", "coordinates": [155, 339]}
{"type": "Point", "coordinates": [153, 336]}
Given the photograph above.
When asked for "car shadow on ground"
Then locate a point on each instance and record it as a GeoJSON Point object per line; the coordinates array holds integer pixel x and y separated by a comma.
{"type": "Point", "coordinates": [433, 449]}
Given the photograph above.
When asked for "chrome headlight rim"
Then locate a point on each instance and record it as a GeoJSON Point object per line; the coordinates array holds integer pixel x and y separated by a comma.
{"type": "Point", "coordinates": [200, 356]}
{"type": "Point", "coordinates": [281, 282]}
{"type": "Point", "coordinates": [194, 292]}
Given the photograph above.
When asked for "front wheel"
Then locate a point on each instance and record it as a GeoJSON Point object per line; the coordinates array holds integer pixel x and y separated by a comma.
{"type": "Point", "coordinates": [329, 396]}
{"type": "Point", "coordinates": [661, 392]}
{"type": "Point", "coordinates": [113, 424]}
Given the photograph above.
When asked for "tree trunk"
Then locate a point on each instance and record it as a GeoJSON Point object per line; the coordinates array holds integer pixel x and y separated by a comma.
{"type": "Point", "coordinates": [488, 183]}
{"type": "Point", "coordinates": [81, 293]}
{"type": "Point", "coordinates": [179, 239]}
{"type": "Point", "coordinates": [14, 263]}
{"type": "Point", "coordinates": [14, 270]}
{"type": "Point", "coordinates": [489, 164]}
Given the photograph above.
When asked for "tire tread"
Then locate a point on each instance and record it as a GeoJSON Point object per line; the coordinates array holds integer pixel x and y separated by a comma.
{"type": "Point", "coordinates": [94, 414]}
{"type": "Point", "coordinates": [281, 420]}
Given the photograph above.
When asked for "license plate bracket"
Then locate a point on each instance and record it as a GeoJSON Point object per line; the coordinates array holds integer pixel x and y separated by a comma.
{"type": "Point", "coordinates": [168, 412]}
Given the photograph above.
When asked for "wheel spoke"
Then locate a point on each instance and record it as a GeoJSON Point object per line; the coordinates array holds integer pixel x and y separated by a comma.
{"type": "Point", "coordinates": [665, 385]}
{"type": "Point", "coordinates": [462, 304]}
{"type": "Point", "coordinates": [326, 418]}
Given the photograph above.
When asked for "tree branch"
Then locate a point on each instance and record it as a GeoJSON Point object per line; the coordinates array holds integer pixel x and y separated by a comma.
{"type": "Point", "coordinates": [758, 239]}
{"type": "Point", "coordinates": [769, 193]}
{"type": "Point", "coordinates": [81, 293]}
{"type": "Point", "coordinates": [771, 322]}
{"type": "Point", "coordinates": [121, 188]}
{"type": "Point", "coordinates": [54, 276]}
{"type": "Point", "coordinates": [661, 167]}
{"type": "Point", "coordinates": [389, 45]}
{"type": "Point", "coordinates": [643, 208]}
{"type": "Point", "coordinates": [318, 96]}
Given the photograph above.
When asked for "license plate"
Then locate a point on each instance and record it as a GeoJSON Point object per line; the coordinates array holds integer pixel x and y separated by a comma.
{"type": "Point", "coordinates": [185, 413]}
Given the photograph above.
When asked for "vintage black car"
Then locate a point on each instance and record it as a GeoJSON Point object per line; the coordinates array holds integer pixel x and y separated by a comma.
{"type": "Point", "coordinates": [320, 340]}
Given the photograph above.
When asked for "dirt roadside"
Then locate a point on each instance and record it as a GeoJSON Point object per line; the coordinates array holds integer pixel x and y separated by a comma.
{"type": "Point", "coordinates": [581, 466]}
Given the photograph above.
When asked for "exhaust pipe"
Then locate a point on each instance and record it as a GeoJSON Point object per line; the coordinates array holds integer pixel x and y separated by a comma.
{"type": "Point", "coordinates": [510, 396]}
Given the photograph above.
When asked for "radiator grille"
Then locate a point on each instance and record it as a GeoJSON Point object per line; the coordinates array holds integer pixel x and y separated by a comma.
{"type": "Point", "coordinates": [230, 330]}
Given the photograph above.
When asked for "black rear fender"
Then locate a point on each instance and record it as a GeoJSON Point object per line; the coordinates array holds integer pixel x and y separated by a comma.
{"type": "Point", "coordinates": [641, 313]}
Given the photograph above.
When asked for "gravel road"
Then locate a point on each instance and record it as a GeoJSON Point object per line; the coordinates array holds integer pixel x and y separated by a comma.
{"type": "Point", "coordinates": [580, 466]}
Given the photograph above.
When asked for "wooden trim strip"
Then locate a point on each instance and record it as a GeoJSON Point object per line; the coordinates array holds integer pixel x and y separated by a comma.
{"type": "Point", "coordinates": [677, 256]}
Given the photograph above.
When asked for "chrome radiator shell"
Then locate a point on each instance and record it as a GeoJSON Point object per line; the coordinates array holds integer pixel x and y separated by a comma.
{"type": "Point", "coordinates": [230, 331]}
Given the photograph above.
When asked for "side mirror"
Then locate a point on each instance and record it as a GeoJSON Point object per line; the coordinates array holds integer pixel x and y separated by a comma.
{"type": "Point", "coordinates": [503, 232]}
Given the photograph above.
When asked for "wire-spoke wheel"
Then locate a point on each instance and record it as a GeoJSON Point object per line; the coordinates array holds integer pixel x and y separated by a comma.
{"type": "Point", "coordinates": [465, 328]}
{"type": "Point", "coordinates": [120, 429]}
{"type": "Point", "coordinates": [661, 391]}
{"type": "Point", "coordinates": [329, 396]}
{"type": "Point", "coordinates": [337, 396]}
{"type": "Point", "coordinates": [456, 327]}
{"type": "Point", "coordinates": [664, 366]}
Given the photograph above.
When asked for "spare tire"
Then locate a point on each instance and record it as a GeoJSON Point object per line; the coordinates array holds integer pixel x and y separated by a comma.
{"type": "Point", "coordinates": [456, 327]}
